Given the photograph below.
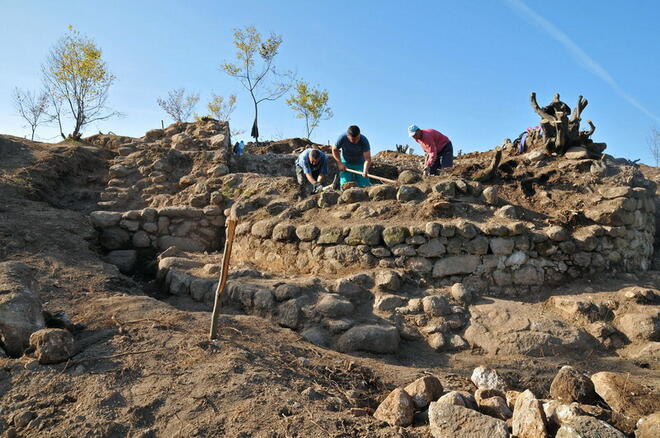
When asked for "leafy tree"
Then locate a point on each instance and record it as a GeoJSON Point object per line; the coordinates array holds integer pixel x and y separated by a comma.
{"type": "Point", "coordinates": [254, 64]}
{"type": "Point", "coordinates": [31, 107]}
{"type": "Point", "coordinates": [75, 74]}
{"type": "Point", "coordinates": [310, 104]}
{"type": "Point", "coordinates": [221, 109]}
{"type": "Point", "coordinates": [654, 145]}
{"type": "Point", "coordinates": [178, 105]}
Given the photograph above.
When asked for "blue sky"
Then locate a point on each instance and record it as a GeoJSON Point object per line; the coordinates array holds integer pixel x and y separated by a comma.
{"type": "Point", "coordinates": [463, 68]}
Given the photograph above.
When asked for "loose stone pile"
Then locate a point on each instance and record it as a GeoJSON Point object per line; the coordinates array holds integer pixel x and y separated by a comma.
{"type": "Point", "coordinates": [599, 406]}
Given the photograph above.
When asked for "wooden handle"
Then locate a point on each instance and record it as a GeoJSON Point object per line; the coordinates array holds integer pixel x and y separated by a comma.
{"type": "Point", "coordinates": [380, 178]}
{"type": "Point", "coordinates": [229, 240]}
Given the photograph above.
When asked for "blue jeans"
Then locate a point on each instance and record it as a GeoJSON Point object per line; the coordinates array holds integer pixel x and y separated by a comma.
{"type": "Point", "coordinates": [444, 159]}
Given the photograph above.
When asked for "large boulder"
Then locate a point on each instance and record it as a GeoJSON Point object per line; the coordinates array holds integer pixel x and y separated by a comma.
{"type": "Point", "coordinates": [52, 345]}
{"type": "Point", "coordinates": [507, 328]}
{"type": "Point", "coordinates": [624, 395]}
{"type": "Point", "coordinates": [370, 338]}
{"type": "Point", "coordinates": [20, 308]}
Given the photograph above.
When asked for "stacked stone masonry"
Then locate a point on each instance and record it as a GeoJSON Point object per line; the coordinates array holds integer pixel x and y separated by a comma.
{"type": "Point", "coordinates": [187, 228]}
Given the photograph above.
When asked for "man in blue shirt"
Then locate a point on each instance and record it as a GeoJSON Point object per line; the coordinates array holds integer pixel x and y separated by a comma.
{"type": "Point", "coordinates": [311, 168]}
{"type": "Point", "coordinates": [355, 155]}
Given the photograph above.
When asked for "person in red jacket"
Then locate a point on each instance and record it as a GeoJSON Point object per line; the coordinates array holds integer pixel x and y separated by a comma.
{"type": "Point", "coordinates": [439, 150]}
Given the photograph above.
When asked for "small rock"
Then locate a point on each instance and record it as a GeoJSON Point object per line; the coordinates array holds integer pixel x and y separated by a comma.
{"type": "Point", "coordinates": [437, 341]}
{"type": "Point", "coordinates": [448, 420]}
{"type": "Point", "coordinates": [370, 338]}
{"type": "Point", "coordinates": [409, 177]}
{"type": "Point", "coordinates": [569, 385]}
{"type": "Point", "coordinates": [507, 212]}
{"type": "Point", "coordinates": [317, 336]}
{"type": "Point", "coordinates": [586, 427]}
{"type": "Point", "coordinates": [492, 402]}
{"type": "Point", "coordinates": [489, 195]}
{"type": "Point", "coordinates": [648, 427]}
{"type": "Point", "coordinates": [435, 305]}
{"type": "Point", "coordinates": [488, 378]}
{"type": "Point", "coordinates": [460, 293]}
{"type": "Point", "coordinates": [528, 419]}
{"type": "Point", "coordinates": [388, 280]}
{"type": "Point", "coordinates": [22, 419]}
{"type": "Point", "coordinates": [397, 409]}
{"type": "Point", "coordinates": [334, 306]}
{"type": "Point", "coordinates": [424, 390]}
{"type": "Point", "coordinates": [409, 193]}
{"type": "Point", "coordinates": [52, 345]}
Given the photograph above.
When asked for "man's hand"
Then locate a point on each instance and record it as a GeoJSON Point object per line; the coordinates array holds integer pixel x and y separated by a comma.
{"type": "Point", "coordinates": [318, 188]}
{"type": "Point", "coordinates": [341, 166]}
{"type": "Point", "coordinates": [365, 174]}
{"type": "Point", "coordinates": [427, 171]}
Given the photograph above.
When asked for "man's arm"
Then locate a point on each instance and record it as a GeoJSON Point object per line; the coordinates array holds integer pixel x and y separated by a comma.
{"type": "Point", "coordinates": [367, 163]}
{"type": "Point", "coordinates": [335, 155]}
{"type": "Point", "coordinates": [310, 178]}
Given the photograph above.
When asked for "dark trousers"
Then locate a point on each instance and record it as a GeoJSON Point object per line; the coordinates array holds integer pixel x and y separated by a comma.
{"type": "Point", "coordinates": [444, 159]}
{"type": "Point", "coordinates": [302, 179]}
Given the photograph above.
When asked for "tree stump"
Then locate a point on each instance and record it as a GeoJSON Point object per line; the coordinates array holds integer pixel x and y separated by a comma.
{"type": "Point", "coordinates": [561, 132]}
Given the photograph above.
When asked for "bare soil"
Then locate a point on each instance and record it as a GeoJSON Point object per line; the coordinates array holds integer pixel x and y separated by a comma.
{"type": "Point", "coordinates": [149, 370]}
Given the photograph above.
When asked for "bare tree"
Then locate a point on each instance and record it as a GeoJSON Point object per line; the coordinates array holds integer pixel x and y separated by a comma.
{"type": "Point", "coordinates": [75, 74]}
{"type": "Point", "coordinates": [178, 105]}
{"type": "Point", "coordinates": [653, 141]}
{"type": "Point", "coordinates": [254, 64]}
{"type": "Point", "coordinates": [31, 107]}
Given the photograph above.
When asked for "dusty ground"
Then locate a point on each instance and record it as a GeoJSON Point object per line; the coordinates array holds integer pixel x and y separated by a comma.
{"type": "Point", "coordinates": [149, 369]}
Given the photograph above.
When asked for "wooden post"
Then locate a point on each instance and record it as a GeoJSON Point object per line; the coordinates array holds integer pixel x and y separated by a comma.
{"type": "Point", "coordinates": [230, 228]}
{"type": "Point", "coordinates": [162, 125]}
{"type": "Point", "coordinates": [380, 178]}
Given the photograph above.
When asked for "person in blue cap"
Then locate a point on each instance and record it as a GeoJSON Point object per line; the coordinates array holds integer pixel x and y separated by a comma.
{"type": "Point", "coordinates": [311, 168]}
{"type": "Point", "coordinates": [355, 155]}
{"type": "Point", "coordinates": [438, 147]}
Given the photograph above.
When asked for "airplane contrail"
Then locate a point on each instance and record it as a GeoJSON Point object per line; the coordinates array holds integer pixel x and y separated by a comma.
{"type": "Point", "coordinates": [587, 61]}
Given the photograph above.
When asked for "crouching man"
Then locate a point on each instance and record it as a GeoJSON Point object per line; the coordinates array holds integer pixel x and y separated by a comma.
{"type": "Point", "coordinates": [311, 168]}
{"type": "Point", "coordinates": [439, 150]}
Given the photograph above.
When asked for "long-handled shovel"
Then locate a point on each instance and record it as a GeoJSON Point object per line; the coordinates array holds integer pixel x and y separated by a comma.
{"type": "Point", "coordinates": [230, 228]}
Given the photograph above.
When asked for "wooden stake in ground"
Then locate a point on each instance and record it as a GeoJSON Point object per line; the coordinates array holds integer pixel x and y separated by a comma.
{"type": "Point", "coordinates": [230, 227]}
{"type": "Point", "coordinates": [379, 178]}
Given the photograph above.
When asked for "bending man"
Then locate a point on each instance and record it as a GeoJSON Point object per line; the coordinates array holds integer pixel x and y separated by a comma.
{"type": "Point", "coordinates": [311, 168]}
{"type": "Point", "coordinates": [437, 146]}
{"type": "Point", "coordinates": [355, 155]}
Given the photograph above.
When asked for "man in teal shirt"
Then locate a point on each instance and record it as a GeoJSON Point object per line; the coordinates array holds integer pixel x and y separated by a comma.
{"type": "Point", "coordinates": [355, 155]}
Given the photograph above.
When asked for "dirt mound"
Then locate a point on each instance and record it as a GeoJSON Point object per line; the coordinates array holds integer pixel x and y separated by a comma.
{"type": "Point", "coordinates": [287, 146]}
{"type": "Point", "coordinates": [143, 365]}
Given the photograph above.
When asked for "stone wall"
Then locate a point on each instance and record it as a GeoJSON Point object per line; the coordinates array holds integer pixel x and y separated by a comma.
{"type": "Point", "coordinates": [499, 256]}
{"type": "Point", "coordinates": [187, 228]}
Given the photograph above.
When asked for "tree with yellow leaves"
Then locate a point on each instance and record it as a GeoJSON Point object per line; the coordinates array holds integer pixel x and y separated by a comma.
{"type": "Point", "coordinates": [76, 75]}
{"type": "Point", "coordinates": [310, 104]}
